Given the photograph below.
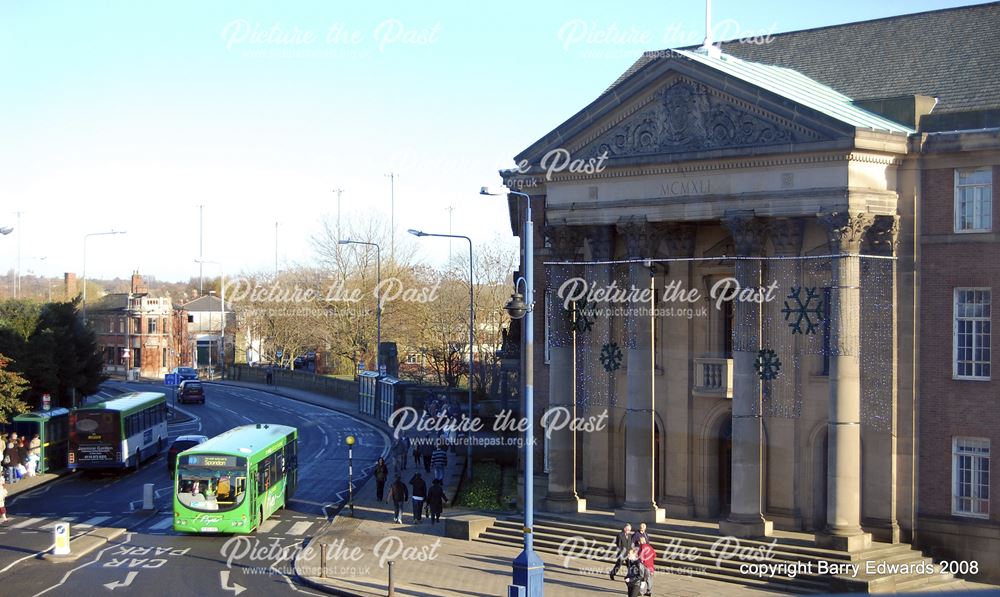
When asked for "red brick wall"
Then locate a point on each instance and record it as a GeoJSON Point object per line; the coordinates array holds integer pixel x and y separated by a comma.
{"type": "Point", "coordinates": [949, 407]}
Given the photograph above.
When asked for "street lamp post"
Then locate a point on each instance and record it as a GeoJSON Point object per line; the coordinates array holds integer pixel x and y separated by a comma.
{"type": "Point", "coordinates": [350, 472]}
{"type": "Point", "coordinates": [378, 297]}
{"type": "Point", "coordinates": [222, 313]}
{"type": "Point", "coordinates": [529, 570]}
{"type": "Point", "coordinates": [85, 237]}
{"type": "Point", "coordinates": [472, 336]}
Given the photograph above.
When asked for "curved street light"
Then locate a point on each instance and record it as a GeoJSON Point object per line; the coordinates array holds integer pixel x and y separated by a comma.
{"type": "Point", "coordinates": [472, 336]}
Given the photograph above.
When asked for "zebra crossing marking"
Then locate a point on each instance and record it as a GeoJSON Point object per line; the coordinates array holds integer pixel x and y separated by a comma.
{"type": "Point", "coordinates": [92, 522]}
{"type": "Point", "coordinates": [162, 524]}
{"type": "Point", "coordinates": [26, 523]}
{"type": "Point", "coordinates": [299, 528]}
{"type": "Point", "coordinates": [268, 525]}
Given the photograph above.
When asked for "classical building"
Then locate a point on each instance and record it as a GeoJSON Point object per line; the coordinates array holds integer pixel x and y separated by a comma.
{"type": "Point", "coordinates": [140, 335]}
{"type": "Point", "coordinates": [812, 172]}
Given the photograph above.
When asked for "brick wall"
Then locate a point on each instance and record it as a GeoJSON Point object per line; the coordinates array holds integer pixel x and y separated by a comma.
{"type": "Point", "coordinates": [950, 407]}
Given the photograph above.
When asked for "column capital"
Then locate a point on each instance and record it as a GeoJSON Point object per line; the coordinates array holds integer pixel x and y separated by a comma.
{"type": "Point", "coordinates": [638, 237]}
{"type": "Point", "coordinates": [676, 237]}
{"type": "Point", "coordinates": [845, 230]}
{"type": "Point", "coordinates": [563, 240]}
{"type": "Point", "coordinates": [786, 235]}
{"type": "Point", "coordinates": [601, 240]}
{"type": "Point", "coordinates": [747, 231]}
{"type": "Point", "coordinates": [883, 236]}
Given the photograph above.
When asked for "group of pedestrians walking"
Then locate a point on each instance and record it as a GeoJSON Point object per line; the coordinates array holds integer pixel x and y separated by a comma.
{"type": "Point", "coordinates": [635, 553]}
{"type": "Point", "coordinates": [20, 457]}
{"type": "Point", "coordinates": [429, 453]}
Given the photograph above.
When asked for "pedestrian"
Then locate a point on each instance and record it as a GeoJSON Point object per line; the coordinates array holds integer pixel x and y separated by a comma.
{"type": "Point", "coordinates": [399, 495]}
{"type": "Point", "coordinates": [418, 496]}
{"type": "Point", "coordinates": [640, 534]}
{"type": "Point", "coordinates": [3, 501]}
{"type": "Point", "coordinates": [416, 455]}
{"type": "Point", "coordinates": [436, 500]}
{"type": "Point", "coordinates": [647, 555]}
{"type": "Point", "coordinates": [623, 541]}
{"type": "Point", "coordinates": [439, 460]}
{"type": "Point", "coordinates": [22, 457]}
{"type": "Point", "coordinates": [11, 458]}
{"type": "Point", "coordinates": [635, 573]}
{"type": "Point", "coordinates": [426, 452]}
{"type": "Point", "coordinates": [399, 455]}
{"type": "Point", "coordinates": [406, 449]}
{"type": "Point", "coordinates": [381, 474]}
{"type": "Point", "coordinates": [8, 473]}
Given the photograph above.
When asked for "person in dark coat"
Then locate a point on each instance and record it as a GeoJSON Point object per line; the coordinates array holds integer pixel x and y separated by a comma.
{"type": "Point", "coordinates": [12, 455]}
{"type": "Point", "coordinates": [418, 496]}
{"type": "Point", "coordinates": [436, 500]}
{"type": "Point", "coordinates": [381, 474]}
{"type": "Point", "coordinates": [635, 573]}
{"type": "Point", "coordinates": [426, 452]}
{"type": "Point", "coordinates": [637, 536]}
{"type": "Point", "coordinates": [623, 542]}
{"type": "Point", "coordinates": [399, 494]}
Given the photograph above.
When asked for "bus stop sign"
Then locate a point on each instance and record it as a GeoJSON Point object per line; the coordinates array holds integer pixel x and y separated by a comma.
{"type": "Point", "coordinates": [171, 379]}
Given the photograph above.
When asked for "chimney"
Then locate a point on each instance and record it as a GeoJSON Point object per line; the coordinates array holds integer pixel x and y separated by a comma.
{"type": "Point", "coordinates": [69, 285]}
{"type": "Point", "coordinates": [137, 286]}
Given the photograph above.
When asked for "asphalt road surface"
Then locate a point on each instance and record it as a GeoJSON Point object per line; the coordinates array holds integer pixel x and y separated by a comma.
{"type": "Point", "coordinates": [151, 559]}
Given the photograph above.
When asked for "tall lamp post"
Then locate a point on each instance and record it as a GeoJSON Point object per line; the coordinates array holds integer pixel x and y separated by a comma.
{"type": "Point", "coordinates": [378, 297]}
{"type": "Point", "coordinates": [5, 231]}
{"type": "Point", "coordinates": [85, 237]}
{"type": "Point", "coordinates": [222, 313]}
{"type": "Point", "coordinates": [529, 570]}
{"type": "Point", "coordinates": [472, 336]}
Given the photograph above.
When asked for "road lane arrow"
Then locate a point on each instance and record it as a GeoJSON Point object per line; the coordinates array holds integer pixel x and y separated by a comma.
{"type": "Point", "coordinates": [111, 586]}
{"type": "Point", "coordinates": [224, 579]}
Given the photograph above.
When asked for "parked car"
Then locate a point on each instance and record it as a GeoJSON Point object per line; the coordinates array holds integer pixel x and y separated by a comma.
{"type": "Point", "coordinates": [191, 391]}
{"type": "Point", "coordinates": [180, 444]}
{"type": "Point", "coordinates": [185, 373]}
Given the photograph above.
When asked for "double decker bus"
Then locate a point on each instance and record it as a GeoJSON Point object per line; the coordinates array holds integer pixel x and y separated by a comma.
{"type": "Point", "coordinates": [118, 433]}
{"type": "Point", "coordinates": [235, 481]}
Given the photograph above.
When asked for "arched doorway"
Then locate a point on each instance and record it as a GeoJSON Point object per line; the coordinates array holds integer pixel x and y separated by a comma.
{"type": "Point", "coordinates": [725, 466]}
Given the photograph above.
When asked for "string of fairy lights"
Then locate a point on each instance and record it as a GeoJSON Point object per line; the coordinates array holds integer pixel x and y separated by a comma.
{"type": "Point", "coordinates": [795, 334]}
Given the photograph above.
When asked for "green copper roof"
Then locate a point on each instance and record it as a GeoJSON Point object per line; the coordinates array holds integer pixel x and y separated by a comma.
{"type": "Point", "coordinates": [798, 88]}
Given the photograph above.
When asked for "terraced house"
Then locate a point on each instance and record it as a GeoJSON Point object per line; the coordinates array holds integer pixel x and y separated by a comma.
{"type": "Point", "coordinates": [843, 176]}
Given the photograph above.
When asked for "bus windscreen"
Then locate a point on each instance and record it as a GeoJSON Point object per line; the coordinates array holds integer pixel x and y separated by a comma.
{"type": "Point", "coordinates": [210, 483]}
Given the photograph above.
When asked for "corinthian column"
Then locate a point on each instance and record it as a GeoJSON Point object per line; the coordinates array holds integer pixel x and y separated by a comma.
{"type": "Point", "coordinates": [596, 390]}
{"type": "Point", "coordinates": [640, 494]}
{"type": "Point", "coordinates": [562, 496]}
{"type": "Point", "coordinates": [746, 518]}
{"type": "Point", "coordinates": [843, 501]}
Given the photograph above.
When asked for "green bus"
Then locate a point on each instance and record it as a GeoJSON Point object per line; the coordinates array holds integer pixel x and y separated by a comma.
{"type": "Point", "coordinates": [118, 433]}
{"type": "Point", "coordinates": [52, 427]}
{"type": "Point", "coordinates": [234, 481]}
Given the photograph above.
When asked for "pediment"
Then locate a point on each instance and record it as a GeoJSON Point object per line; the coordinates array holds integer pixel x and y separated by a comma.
{"type": "Point", "coordinates": [684, 116]}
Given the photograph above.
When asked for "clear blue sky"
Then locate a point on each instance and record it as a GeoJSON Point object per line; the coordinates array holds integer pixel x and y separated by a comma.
{"type": "Point", "coordinates": [128, 115]}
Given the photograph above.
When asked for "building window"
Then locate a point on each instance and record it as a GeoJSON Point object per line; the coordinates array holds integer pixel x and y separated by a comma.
{"type": "Point", "coordinates": [972, 334]}
{"type": "Point", "coordinates": [151, 325]}
{"type": "Point", "coordinates": [973, 200]}
{"type": "Point", "coordinates": [163, 363]}
{"type": "Point", "coordinates": [970, 473]}
{"type": "Point", "coordinates": [413, 359]}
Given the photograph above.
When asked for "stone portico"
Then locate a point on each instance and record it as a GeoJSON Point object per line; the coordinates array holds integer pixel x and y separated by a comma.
{"type": "Point", "coordinates": [714, 168]}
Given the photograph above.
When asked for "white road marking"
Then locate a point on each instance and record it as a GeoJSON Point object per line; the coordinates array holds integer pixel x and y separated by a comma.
{"type": "Point", "coordinates": [92, 522]}
{"type": "Point", "coordinates": [52, 524]}
{"type": "Point", "coordinates": [162, 524]}
{"type": "Point", "coordinates": [268, 525]}
{"type": "Point", "coordinates": [26, 523]}
{"type": "Point", "coordinates": [100, 554]}
{"type": "Point", "coordinates": [34, 555]}
{"type": "Point", "coordinates": [299, 528]}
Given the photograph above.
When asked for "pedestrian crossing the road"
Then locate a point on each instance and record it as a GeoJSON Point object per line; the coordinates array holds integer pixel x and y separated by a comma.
{"type": "Point", "coordinates": [290, 526]}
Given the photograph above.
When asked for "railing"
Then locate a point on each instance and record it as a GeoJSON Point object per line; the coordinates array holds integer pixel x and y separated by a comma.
{"type": "Point", "coordinates": [302, 380]}
{"type": "Point", "coordinates": [713, 377]}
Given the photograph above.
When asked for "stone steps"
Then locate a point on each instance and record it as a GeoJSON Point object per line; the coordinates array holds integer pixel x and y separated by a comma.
{"type": "Point", "coordinates": [697, 553]}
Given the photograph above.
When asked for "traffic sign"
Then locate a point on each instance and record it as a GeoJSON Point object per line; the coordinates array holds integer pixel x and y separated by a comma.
{"type": "Point", "coordinates": [61, 532]}
{"type": "Point", "coordinates": [171, 379]}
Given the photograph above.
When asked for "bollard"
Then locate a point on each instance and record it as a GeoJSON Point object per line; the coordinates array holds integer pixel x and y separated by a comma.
{"type": "Point", "coordinates": [61, 539]}
{"type": "Point", "coordinates": [392, 584]}
{"type": "Point", "coordinates": [147, 496]}
{"type": "Point", "coordinates": [322, 560]}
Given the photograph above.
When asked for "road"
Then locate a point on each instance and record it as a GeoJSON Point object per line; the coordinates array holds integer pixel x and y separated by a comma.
{"type": "Point", "coordinates": [151, 559]}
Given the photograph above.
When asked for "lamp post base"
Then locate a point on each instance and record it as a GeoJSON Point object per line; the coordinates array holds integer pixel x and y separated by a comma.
{"type": "Point", "coordinates": [529, 575]}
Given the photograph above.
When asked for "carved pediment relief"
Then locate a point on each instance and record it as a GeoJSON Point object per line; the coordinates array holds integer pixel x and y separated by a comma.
{"type": "Point", "coordinates": [687, 116]}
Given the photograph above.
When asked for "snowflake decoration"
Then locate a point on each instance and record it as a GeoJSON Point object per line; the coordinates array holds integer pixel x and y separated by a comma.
{"type": "Point", "coordinates": [611, 357]}
{"type": "Point", "coordinates": [586, 313]}
{"type": "Point", "coordinates": [808, 310]}
{"type": "Point", "coordinates": [767, 364]}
